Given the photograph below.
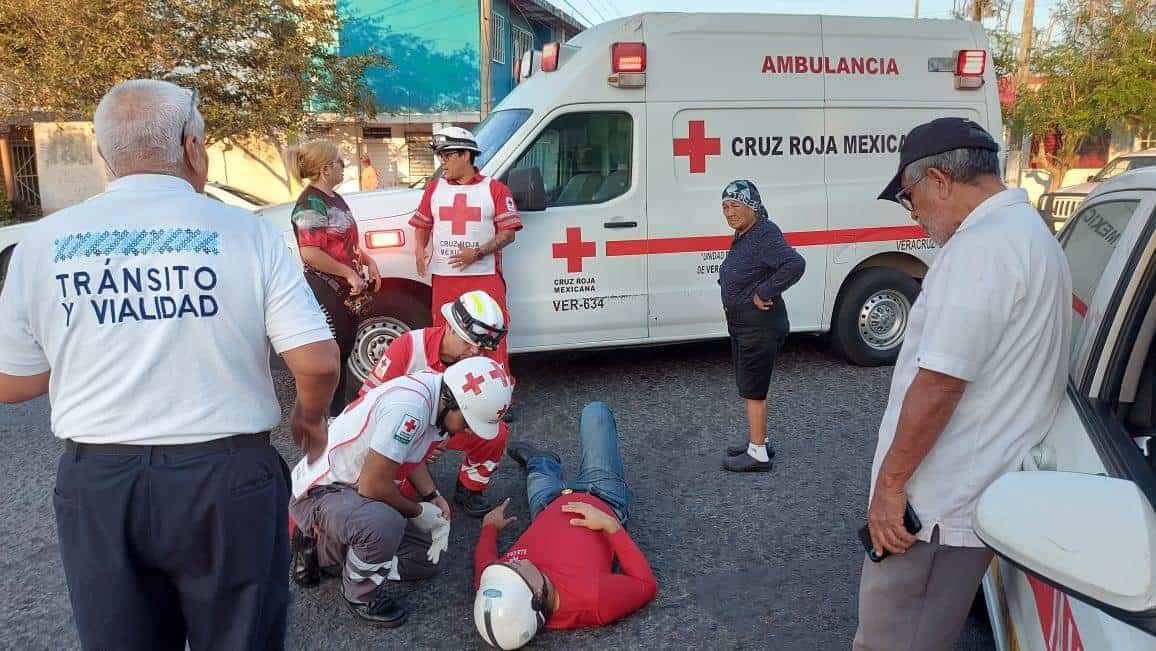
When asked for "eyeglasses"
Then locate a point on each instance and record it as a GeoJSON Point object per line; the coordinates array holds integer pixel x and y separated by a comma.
{"type": "Point", "coordinates": [194, 94]}
{"type": "Point", "coordinates": [904, 195]}
{"type": "Point", "coordinates": [446, 155]}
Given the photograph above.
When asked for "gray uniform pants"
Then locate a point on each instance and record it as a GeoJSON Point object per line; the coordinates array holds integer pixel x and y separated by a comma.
{"type": "Point", "coordinates": [368, 540]}
{"type": "Point", "coordinates": [918, 601]}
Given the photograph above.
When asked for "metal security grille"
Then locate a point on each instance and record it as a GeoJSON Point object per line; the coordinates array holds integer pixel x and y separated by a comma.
{"type": "Point", "coordinates": [421, 159]}
{"type": "Point", "coordinates": [377, 133]}
{"type": "Point", "coordinates": [23, 150]}
{"type": "Point", "coordinates": [523, 40]}
{"type": "Point", "coordinates": [497, 38]}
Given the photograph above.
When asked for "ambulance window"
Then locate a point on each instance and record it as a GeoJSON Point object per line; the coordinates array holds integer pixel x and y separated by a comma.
{"type": "Point", "coordinates": [584, 158]}
{"type": "Point", "coordinates": [1089, 242]}
{"type": "Point", "coordinates": [496, 129]}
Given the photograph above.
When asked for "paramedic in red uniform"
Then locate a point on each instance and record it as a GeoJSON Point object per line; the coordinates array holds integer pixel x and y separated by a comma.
{"type": "Point", "coordinates": [474, 326]}
{"type": "Point", "coordinates": [558, 573]}
{"type": "Point", "coordinates": [463, 223]}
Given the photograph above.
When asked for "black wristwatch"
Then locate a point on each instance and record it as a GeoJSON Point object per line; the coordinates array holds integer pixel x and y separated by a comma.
{"type": "Point", "coordinates": [433, 495]}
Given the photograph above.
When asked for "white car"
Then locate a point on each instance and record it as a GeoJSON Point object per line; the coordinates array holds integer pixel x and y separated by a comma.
{"type": "Point", "coordinates": [235, 196]}
{"type": "Point", "coordinates": [1059, 205]}
{"type": "Point", "coordinates": [1076, 531]}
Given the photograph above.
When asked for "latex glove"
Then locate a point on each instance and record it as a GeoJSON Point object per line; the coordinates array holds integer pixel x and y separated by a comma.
{"type": "Point", "coordinates": [429, 518]}
{"type": "Point", "coordinates": [441, 540]}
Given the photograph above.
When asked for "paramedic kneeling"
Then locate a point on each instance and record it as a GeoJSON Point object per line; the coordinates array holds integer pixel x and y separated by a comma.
{"type": "Point", "coordinates": [349, 500]}
{"type": "Point", "coordinates": [558, 573]}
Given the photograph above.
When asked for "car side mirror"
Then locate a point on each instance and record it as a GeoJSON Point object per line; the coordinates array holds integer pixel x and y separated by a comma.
{"type": "Point", "coordinates": [528, 189]}
{"type": "Point", "coordinates": [1092, 179]}
{"type": "Point", "coordinates": [1090, 535]}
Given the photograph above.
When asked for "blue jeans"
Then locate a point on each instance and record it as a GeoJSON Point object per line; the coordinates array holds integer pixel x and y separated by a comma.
{"type": "Point", "coordinates": [599, 470]}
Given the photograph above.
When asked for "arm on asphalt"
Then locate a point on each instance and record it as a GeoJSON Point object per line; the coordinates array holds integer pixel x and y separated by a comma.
{"type": "Point", "coordinates": [18, 388]}
{"type": "Point", "coordinates": [486, 551]}
{"type": "Point", "coordinates": [323, 262]}
{"type": "Point", "coordinates": [622, 594]}
{"type": "Point", "coordinates": [376, 483]}
{"type": "Point", "coordinates": [927, 407]}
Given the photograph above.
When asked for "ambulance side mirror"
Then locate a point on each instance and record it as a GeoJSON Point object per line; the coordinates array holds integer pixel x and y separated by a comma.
{"type": "Point", "coordinates": [1090, 535]}
{"type": "Point", "coordinates": [528, 189]}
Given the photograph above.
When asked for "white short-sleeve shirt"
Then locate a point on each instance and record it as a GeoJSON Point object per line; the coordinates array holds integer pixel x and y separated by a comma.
{"type": "Point", "coordinates": [994, 311]}
{"type": "Point", "coordinates": [154, 307]}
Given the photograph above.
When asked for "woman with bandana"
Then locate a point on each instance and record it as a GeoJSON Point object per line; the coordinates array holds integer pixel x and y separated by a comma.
{"type": "Point", "coordinates": [759, 267]}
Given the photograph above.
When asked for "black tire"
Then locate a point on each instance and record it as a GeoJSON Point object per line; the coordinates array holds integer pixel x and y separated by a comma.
{"type": "Point", "coordinates": [5, 258]}
{"type": "Point", "coordinates": [871, 315]}
{"type": "Point", "coordinates": [391, 314]}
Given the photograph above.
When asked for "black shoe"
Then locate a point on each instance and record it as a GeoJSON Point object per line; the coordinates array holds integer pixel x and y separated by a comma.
{"type": "Point", "coordinates": [741, 448]}
{"type": "Point", "coordinates": [383, 611]}
{"type": "Point", "coordinates": [474, 503]}
{"type": "Point", "coordinates": [746, 463]}
{"type": "Point", "coordinates": [304, 568]}
{"type": "Point", "coordinates": [522, 452]}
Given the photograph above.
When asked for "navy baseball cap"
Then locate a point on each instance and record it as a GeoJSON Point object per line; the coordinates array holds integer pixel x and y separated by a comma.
{"type": "Point", "coordinates": [936, 137]}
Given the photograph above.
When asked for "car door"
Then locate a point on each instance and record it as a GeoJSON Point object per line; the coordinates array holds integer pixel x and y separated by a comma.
{"type": "Point", "coordinates": [563, 288]}
{"type": "Point", "coordinates": [1097, 431]}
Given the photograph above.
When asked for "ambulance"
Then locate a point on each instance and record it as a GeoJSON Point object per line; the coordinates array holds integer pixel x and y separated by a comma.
{"type": "Point", "coordinates": [1075, 531]}
{"type": "Point", "coordinates": [618, 143]}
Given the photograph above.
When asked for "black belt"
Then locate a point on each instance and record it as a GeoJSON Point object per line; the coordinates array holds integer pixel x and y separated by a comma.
{"type": "Point", "coordinates": [227, 443]}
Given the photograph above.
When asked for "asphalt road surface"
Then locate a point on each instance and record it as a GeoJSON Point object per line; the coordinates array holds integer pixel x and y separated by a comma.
{"type": "Point", "coordinates": [743, 561]}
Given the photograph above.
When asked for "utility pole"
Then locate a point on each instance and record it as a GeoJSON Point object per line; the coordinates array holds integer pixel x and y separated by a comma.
{"type": "Point", "coordinates": [1027, 37]}
{"type": "Point", "coordinates": [917, 8]}
{"type": "Point", "coordinates": [977, 10]}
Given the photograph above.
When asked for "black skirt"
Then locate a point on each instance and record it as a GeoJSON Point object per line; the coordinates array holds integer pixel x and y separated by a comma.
{"type": "Point", "coordinates": [756, 338]}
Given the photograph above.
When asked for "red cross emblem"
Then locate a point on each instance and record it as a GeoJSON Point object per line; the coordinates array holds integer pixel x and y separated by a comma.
{"type": "Point", "coordinates": [410, 425]}
{"type": "Point", "coordinates": [459, 214]}
{"type": "Point", "coordinates": [697, 146]}
{"type": "Point", "coordinates": [474, 384]}
{"type": "Point", "coordinates": [500, 374]}
{"type": "Point", "coordinates": [574, 250]}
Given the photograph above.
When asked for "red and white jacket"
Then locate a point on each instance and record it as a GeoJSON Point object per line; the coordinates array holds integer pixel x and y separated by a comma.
{"type": "Point", "coordinates": [467, 214]}
{"type": "Point", "coordinates": [416, 350]}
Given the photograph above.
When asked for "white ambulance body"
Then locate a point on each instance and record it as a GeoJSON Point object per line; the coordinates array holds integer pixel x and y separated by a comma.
{"type": "Point", "coordinates": [636, 125]}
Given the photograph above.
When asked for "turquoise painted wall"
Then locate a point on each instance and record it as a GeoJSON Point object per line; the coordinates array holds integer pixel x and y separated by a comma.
{"type": "Point", "coordinates": [433, 45]}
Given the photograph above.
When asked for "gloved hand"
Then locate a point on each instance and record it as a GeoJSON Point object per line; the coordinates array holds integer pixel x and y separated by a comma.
{"type": "Point", "coordinates": [441, 540]}
{"type": "Point", "coordinates": [429, 518]}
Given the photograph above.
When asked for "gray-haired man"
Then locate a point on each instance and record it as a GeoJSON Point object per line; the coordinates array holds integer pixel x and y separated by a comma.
{"type": "Point", "coordinates": [147, 312]}
{"type": "Point", "coordinates": [977, 383]}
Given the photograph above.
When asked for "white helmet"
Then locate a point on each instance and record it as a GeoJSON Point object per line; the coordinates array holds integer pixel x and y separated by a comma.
{"type": "Point", "coordinates": [476, 317]}
{"type": "Point", "coordinates": [506, 612]}
{"type": "Point", "coordinates": [482, 390]}
{"type": "Point", "coordinates": [454, 138]}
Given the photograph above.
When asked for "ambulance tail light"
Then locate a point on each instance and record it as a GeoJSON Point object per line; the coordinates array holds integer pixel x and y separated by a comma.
{"type": "Point", "coordinates": [550, 56]}
{"type": "Point", "coordinates": [969, 68]}
{"type": "Point", "coordinates": [390, 239]}
{"type": "Point", "coordinates": [628, 65]}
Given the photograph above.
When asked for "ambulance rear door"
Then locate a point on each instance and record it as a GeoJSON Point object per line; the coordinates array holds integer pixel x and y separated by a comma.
{"type": "Point", "coordinates": [563, 288]}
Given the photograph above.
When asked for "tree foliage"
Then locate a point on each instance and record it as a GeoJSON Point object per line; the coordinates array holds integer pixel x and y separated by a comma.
{"type": "Point", "coordinates": [260, 66]}
{"type": "Point", "coordinates": [1100, 74]}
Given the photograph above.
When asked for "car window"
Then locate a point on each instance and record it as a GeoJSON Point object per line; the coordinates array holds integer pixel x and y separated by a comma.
{"type": "Point", "coordinates": [1117, 166]}
{"type": "Point", "coordinates": [1088, 243]}
{"type": "Point", "coordinates": [1137, 162]}
{"type": "Point", "coordinates": [584, 158]}
{"type": "Point", "coordinates": [495, 130]}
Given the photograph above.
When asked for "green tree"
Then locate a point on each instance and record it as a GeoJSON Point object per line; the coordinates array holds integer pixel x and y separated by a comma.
{"type": "Point", "coordinates": [1099, 74]}
{"type": "Point", "coordinates": [262, 67]}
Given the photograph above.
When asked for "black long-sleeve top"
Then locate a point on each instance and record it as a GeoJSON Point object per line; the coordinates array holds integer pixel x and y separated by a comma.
{"type": "Point", "coordinates": [759, 260]}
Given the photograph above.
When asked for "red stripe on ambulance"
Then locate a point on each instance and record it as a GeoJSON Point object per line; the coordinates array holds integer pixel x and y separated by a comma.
{"type": "Point", "coordinates": [702, 244]}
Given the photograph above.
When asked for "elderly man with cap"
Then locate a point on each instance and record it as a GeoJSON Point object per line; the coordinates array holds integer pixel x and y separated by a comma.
{"type": "Point", "coordinates": [462, 224]}
{"type": "Point", "coordinates": [978, 381]}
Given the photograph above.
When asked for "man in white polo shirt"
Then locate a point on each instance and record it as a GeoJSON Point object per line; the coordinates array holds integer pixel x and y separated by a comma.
{"type": "Point", "coordinates": [977, 383]}
{"type": "Point", "coordinates": [146, 313]}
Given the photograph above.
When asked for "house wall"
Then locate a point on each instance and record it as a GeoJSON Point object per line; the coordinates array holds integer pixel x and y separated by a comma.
{"type": "Point", "coordinates": [68, 166]}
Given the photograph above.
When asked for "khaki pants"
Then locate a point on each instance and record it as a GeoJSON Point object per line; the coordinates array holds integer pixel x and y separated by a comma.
{"type": "Point", "coordinates": [918, 601]}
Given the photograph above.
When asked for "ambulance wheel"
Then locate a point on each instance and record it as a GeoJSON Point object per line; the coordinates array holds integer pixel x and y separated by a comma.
{"type": "Point", "coordinates": [391, 315]}
{"type": "Point", "coordinates": [871, 315]}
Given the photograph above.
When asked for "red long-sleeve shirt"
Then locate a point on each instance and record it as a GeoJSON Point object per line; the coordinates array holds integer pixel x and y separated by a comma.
{"type": "Point", "coordinates": [577, 562]}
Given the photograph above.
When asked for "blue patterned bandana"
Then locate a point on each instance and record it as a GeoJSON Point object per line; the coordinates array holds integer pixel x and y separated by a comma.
{"type": "Point", "coordinates": [745, 192]}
